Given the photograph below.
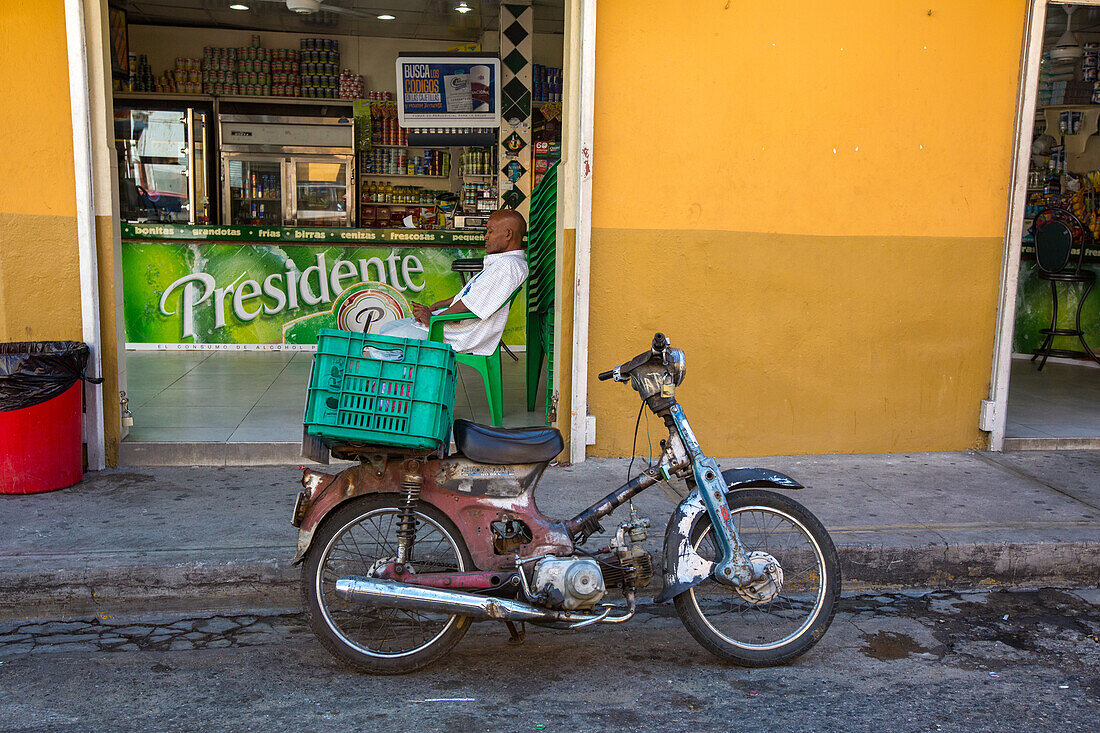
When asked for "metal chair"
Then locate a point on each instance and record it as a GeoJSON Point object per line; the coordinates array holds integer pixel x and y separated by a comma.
{"type": "Point", "coordinates": [1057, 232]}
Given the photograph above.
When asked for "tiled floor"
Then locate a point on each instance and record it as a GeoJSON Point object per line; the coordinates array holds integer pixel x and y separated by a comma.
{"type": "Point", "coordinates": [1062, 401]}
{"type": "Point", "coordinates": [260, 396]}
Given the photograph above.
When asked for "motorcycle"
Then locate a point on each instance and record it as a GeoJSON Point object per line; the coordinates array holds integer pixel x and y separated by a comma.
{"type": "Point", "coordinates": [401, 552]}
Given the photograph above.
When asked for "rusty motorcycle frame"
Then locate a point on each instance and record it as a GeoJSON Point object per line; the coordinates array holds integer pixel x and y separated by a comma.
{"type": "Point", "coordinates": [402, 551]}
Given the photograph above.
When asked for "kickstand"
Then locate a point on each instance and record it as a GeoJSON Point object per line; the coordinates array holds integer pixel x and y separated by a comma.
{"type": "Point", "coordinates": [516, 636]}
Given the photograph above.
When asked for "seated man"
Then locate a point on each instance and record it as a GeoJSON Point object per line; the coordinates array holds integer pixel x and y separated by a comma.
{"type": "Point", "coordinates": [484, 297]}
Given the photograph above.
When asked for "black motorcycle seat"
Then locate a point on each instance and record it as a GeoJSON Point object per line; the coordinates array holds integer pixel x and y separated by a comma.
{"type": "Point", "coordinates": [502, 446]}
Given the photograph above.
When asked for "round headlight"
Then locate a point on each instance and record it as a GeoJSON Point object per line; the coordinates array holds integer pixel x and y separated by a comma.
{"type": "Point", "coordinates": [677, 365]}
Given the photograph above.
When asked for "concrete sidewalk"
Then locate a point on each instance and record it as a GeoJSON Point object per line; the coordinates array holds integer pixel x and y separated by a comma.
{"type": "Point", "coordinates": [210, 537]}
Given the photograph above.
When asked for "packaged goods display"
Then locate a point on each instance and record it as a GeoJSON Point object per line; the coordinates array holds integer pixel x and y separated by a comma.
{"type": "Point", "coordinates": [310, 71]}
{"type": "Point", "coordinates": [381, 216]}
{"type": "Point", "coordinates": [477, 162]}
{"type": "Point", "coordinates": [250, 71]}
{"type": "Point", "coordinates": [320, 67]}
{"type": "Point", "coordinates": [141, 74]}
{"type": "Point", "coordinates": [378, 192]}
{"type": "Point", "coordinates": [184, 78]}
{"type": "Point", "coordinates": [384, 129]}
{"type": "Point", "coordinates": [398, 162]}
{"type": "Point", "coordinates": [452, 130]}
{"type": "Point", "coordinates": [351, 85]}
{"type": "Point", "coordinates": [545, 154]}
{"type": "Point", "coordinates": [478, 197]}
{"type": "Point", "coordinates": [545, 84]}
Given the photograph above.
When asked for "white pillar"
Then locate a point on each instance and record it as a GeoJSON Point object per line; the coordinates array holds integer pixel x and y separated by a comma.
{"type": "Point", "coordinates": [578, 409]}
{"type": "Point", "coordinates": [80, 106]}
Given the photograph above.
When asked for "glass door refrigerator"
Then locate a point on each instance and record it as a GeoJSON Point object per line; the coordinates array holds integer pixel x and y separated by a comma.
{"type": "Point", "coordinates": [162, 166]}
{"type": "Point", "coordinates": [323, 194]}
{"type": "Point", "coordinates": [287, 171]}
{"type": "Point", "coordinates": [253, 189]}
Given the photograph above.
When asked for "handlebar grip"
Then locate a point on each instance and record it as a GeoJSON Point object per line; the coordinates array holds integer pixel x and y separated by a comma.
{"type": "Point", "coordinates": [604, 376]}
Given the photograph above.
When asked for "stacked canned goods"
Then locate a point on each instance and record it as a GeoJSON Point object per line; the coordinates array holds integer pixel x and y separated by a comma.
{"type": "Point", "coordinates": [320, 67]}
{"type": "Point", "coordinates": [387, 162]}
{"type": "Point", "coordinates": [219, 70]}
{"type": "Point", "coordinates": [185, 78]}
{"type": "Point", "coordinates": [378, 192]}
{"type": "Point", "coordinates": [286, 78]}
{"type": "Point", "coordinates": [478, 197]}
{"type": "Point", "coordinates": [431, 163]}
{"type": "Point", "coordinates": [254, 71]}
{"type": "Point", "coordinates": [477, 162]}
{"type": "Point", "coordinates": [398, 162]}
{"type": "Point", "coordinates": [141, 74]}
{"type": "Point", "coordinates": [546, 84]}
{"type": "Point", "coordinates": [251, 71]}
{"type": "Point", "coordinates": [384, 129]}
{"type": "Point", "coordinates": [351, 85]}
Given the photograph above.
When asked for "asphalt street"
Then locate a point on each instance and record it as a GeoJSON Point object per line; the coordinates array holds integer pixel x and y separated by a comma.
{"type": "Point", "coordinates": [916, 661]}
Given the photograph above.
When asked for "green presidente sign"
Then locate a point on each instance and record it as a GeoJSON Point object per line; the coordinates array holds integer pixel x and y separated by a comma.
{"type": "Point", "coordinates": [207, 294]}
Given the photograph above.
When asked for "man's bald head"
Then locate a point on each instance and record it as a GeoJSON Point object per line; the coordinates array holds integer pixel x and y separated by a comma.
{"type": "Point", "coordinates": [513, 222]}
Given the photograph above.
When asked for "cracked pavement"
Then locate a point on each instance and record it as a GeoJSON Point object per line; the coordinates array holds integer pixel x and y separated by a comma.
{"type": "Point", "coordinates": [933, 660]}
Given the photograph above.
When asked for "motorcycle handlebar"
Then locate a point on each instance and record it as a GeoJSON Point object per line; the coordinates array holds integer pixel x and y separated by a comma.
{"type": "Point", "coordinates": [660, 343]}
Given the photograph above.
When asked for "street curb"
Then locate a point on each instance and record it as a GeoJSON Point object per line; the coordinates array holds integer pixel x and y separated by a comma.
{"type": "Point", "coordinates": [276, 582]}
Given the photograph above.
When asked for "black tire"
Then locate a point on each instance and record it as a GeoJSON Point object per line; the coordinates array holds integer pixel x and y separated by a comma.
{"type": "Point", "coordinates": [349, 542]}
{"type": "Point", "coordinates": [733, 625]}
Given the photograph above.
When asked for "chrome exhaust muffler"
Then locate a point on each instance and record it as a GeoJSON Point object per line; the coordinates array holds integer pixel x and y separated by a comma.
{"type": "Point", "coordinates": [392, 594]}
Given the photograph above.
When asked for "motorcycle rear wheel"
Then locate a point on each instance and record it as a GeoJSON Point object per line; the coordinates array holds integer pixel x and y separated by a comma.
{"type": "Point", "coordinates": [358, 538]}
{"type": "Point", "coordinates": [778, 618]}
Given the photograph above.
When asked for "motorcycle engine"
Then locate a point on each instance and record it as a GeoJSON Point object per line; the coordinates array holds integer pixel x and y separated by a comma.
{"type": "Point", "coordinates": [568, 583]}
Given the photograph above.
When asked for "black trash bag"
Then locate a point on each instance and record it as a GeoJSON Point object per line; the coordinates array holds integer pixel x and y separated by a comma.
{"type": "Point", "coordinates": [32, 372]}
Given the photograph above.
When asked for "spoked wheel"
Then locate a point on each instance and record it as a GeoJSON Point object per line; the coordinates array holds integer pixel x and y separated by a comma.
{"type": "Point", "coordinates": [787, 610]}
{"type": "Point", "coordinates": [359, 539]}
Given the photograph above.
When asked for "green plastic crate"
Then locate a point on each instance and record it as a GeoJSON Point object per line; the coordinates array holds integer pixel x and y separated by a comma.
{"type": "Point", "coordinates": [405, 399]}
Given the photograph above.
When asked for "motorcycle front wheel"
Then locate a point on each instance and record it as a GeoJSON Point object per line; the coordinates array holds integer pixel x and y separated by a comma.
{"type": "Point", "coordinates": [779, 617]}
{"type": "Point", "coordinates": [359, 539]}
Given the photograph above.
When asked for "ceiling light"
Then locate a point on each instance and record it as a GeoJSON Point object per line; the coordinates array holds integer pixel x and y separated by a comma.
{"type": "Point", "coordinates": [238, 6]}
{"type": "Point", "coordinates": [303, 7]}
{"type": "Point", "coordinates": [463, 8]}
{"type": "Point", "coordinates": [386, 16]}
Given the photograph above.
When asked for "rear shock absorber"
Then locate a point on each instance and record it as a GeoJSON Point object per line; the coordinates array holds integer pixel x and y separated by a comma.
{"type": "Point", "coordinates": [406, 518]}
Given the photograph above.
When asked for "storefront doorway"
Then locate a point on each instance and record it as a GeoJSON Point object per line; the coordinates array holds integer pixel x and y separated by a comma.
{"type": "Point", "coordinates": [1052, 378]}
{"type": "Point", "coordinates": [209, 202]}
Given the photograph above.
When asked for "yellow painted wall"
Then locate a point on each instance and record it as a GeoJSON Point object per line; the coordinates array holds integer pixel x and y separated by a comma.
{"type": "Point", "coordinates": [39, 274]}
{"type": "Point", "coordinates": [811, 201]}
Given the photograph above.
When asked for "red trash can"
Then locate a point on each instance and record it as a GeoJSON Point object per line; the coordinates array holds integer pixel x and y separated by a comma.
{"type": "Point", "coordinates": [41, 399]}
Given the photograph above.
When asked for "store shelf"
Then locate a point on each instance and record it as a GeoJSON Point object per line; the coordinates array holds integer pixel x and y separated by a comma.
{"type": "Point", "coordinates": [479, 175]}
{"type": "Point", "coordinates": [407, 147]}
{"type": "Point", "coordinates": [301, 101]}
{"type": "Point", "coordinates": [398, 175]}
{"type": "Point", "coordinates": [393, 203]}
{"type": "Point", "coordinates": [256, 198]}
{"type": "Point", "coordinates": [141, 96]}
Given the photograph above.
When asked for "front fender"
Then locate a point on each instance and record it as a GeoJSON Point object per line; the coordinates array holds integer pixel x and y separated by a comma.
{"type": "Point", "coordinates": [684, 568]}
{"type": "Point", "coordinates": [745, 478]}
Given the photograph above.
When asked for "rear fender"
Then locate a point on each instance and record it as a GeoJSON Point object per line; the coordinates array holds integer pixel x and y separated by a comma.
{"type": "Point", "coordinates": [684, 568]}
